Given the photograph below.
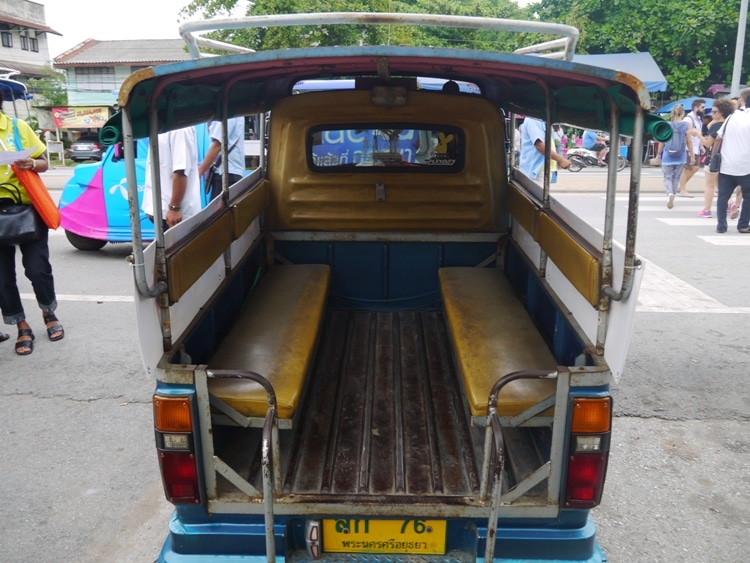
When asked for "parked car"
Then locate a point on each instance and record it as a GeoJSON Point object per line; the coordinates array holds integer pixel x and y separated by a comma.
{"type": "Point", "coordinates": [87, 147]}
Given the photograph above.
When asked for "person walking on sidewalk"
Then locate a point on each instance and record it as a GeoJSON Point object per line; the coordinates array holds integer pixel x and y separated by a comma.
{"type": "Point", "coordinates": [722, 109]}
{"type": "Point", "coordinates": [693, 120]}
{"type": "Point", "coordinates": [734, 144]}
{"type": "Point", "coordinates": [673, 155]}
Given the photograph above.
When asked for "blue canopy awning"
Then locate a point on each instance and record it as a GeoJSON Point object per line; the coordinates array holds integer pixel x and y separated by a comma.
{"type": "Point", "coordinates": [687, 104]}
{"type": "Point", "coordinates": [641, 65]}
{"type": "Point", "coordinates": [13, 90]}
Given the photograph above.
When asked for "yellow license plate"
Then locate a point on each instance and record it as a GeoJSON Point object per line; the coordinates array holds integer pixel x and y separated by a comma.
{"type": "Point", "coordinates": [354, 535]}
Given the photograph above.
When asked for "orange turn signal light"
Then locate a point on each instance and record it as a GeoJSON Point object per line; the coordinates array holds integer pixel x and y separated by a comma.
{"type": "Point", "coordinates": [172, 414]}
{"type": "Point", "coordinates": [592, 416]}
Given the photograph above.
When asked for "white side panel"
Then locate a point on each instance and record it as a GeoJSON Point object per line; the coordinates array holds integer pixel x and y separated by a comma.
{"type": "Point", "coordinates": [620, 327]}
{"type": "Point", "coordinates": [147, 318]}
{"type": "Point", "coordinates": [622, 313]}
{"type": "Point", "coordinates": [188, 307]}
{"type": "Point", "coordinates": [528, 245]}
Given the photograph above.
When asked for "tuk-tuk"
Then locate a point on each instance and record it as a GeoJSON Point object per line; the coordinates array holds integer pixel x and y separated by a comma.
{"type": "Point", "coordinates": [386, 343]}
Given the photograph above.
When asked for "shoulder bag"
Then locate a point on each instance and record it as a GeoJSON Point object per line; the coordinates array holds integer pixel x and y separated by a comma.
{"type": "Point", "coordinates": [715, 164]}
{"type": "Point", "coordinates": [18, 222]}
{"type": "Point", "coordinates": [212, 169]}
{"type": "Point", "coordinates": [34, 185]}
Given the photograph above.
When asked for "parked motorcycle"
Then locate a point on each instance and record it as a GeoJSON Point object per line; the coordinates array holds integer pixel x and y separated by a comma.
{"type": "Point", "coordinates": [580, 158]}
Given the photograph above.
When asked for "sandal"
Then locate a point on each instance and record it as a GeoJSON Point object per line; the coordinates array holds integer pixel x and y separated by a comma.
{"type": "Point", "coordinates": [25, 347]}
{"type": "Point", "coordinates": [4, 337]}
{"type": "Point", "coordinates": [55, 332]}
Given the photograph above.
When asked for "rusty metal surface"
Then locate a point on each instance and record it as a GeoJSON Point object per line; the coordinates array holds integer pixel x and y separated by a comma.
{"type": "Point", "coordinates": [383, 415]}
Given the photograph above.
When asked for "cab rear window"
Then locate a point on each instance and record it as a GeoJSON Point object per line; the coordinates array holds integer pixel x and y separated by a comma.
{"type": "Point", "coordinates": [387, 148]}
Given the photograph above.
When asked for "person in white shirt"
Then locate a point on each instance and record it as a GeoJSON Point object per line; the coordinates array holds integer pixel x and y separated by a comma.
{"type": "Point", "coordinates": [236, 157]}
{"type": "Point", "coordinates": [178, 174]}
{"type": "Point", "coordinates": [735, 166]}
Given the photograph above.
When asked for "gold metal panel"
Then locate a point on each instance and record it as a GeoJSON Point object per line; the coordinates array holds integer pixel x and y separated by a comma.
{"type": "Point", "coordinates": [275, 337]}
{"type": "Point", "coordinates": [523, 208]}
{"type": "Point", "coordinates": [188, 263]}
{"type": "Point", "coordinates": [579, 263]}
{"type": "Point", "coordinates": [248, 208]}
{"type": "Point", "coordinates": [468, 201]}
{"type": "Point", "coordinates": [493, 335]}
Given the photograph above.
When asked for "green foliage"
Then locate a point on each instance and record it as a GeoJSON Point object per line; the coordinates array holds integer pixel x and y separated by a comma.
{"type": "Point", "coordinates": [275, 38]}
{"type": "Point", "coordinates": [692, 41]}
{"type": "Point", "coordinates": [49, 90]}
{"type": "Point", "coordinates": [33, 122]}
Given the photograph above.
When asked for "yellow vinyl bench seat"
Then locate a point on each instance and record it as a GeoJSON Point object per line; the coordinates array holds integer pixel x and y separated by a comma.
{"type": "Point", "coordinates": [492, 336]}
{"type": "Point", "coordinates": [274, 336]}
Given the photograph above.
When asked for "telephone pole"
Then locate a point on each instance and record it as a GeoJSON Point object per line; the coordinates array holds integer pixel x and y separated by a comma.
{"type": "Point", "coordinates": [738, 50]}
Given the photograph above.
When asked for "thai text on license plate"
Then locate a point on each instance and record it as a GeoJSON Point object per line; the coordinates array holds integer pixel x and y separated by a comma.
{"type": "Point", "coordinates": [353, 535]}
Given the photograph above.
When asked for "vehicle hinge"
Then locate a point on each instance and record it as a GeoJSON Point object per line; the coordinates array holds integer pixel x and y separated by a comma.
{"type": "Point", "coordinates": [379, 192]}
{"type": "Point", "coordinates": [312, 538]}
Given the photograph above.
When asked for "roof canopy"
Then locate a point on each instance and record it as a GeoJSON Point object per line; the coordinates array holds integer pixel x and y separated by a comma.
{"type": "Point", "coordinates": [13, 90]}
{"type": "Point", "coordinates": [190, 92]}
{"type": "Point", "coordinates": [180, 94]}
{"type": "Point", "coordinates": [641, 65]}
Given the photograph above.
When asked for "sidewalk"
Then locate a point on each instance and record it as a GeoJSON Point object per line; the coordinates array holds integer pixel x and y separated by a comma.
{"type": "Point", "coordinates": [588, 180]}
{"type": "Point", "coordinates": [594, 180]}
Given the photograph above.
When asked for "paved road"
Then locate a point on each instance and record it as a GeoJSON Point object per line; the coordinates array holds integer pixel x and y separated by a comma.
{"type": "Point", "coordinates": [677, 488]}
{"type": "Point", "coordinates": [81, 480]}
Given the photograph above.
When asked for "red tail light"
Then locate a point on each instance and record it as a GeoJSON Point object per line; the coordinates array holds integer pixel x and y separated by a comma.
{"type": "Point", "coordinates": [180, 476]}
{"type": "Point", "coordinates": [591, 424]}
{"type": "Point", "coordinates": [173, 423]}
{"type": "Point", "coordinates": [586, 474]}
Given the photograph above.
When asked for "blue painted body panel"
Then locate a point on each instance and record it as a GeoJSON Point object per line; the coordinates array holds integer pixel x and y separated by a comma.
{"type": "Point", "coordinates": [94, 202]}
{"type": "Point", "coordinates": [236, 539]}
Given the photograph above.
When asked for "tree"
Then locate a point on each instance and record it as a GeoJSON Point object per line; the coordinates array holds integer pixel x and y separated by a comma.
{"type": "Point", "coordinates": [272, 38]}
{"type": "Point", "coordinates": [692, 42]}
{"type": "Point", "coordinates": [49, 90]}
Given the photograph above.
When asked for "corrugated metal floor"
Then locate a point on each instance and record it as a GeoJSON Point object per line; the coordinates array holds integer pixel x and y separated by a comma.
{"type": "Point", "coordinates": [383, 414]}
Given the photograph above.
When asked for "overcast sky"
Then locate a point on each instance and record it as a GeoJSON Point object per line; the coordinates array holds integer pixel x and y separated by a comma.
{"type": "Point", "coordinates": [79, 20]}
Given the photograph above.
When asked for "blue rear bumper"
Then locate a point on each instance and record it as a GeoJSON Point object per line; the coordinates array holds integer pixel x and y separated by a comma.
{"type": "Point", "coordinates": [245, 542]}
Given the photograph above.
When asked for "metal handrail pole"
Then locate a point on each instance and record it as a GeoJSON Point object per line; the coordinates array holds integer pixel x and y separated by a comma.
{"type": "Point", "coordinates": [631, 262]}
{"type": "Point", "coordinates": [270, 455]}
{"type": "Point", "coordinates": [609, 222]}
{"type": "Point", "coordinates": [139, 267]}
{"type": "Point", "coordinates": [187, 29]}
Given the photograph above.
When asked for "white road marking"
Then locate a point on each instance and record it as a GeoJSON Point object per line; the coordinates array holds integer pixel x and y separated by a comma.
{"type": "Point", "coordinates": [87, 298]}
{"type": "Point", "coordinates": [661, 292]}
{"type": "Point", "coordinates": [728, 240]}
{"type": "Point", "coordinates": [685, 222]}
{"type": "Point", "coordinates": [677, 207]}
{"type": "Point", "coordinates": [660, 197]}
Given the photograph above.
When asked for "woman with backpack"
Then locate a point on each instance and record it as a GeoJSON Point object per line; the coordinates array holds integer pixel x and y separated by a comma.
{"type": "Point", "coordinates": [674, 153]}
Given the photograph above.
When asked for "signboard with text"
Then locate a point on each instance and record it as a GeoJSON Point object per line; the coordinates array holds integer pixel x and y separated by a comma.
{"type": "Point", "coordinates": [80, 117]}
